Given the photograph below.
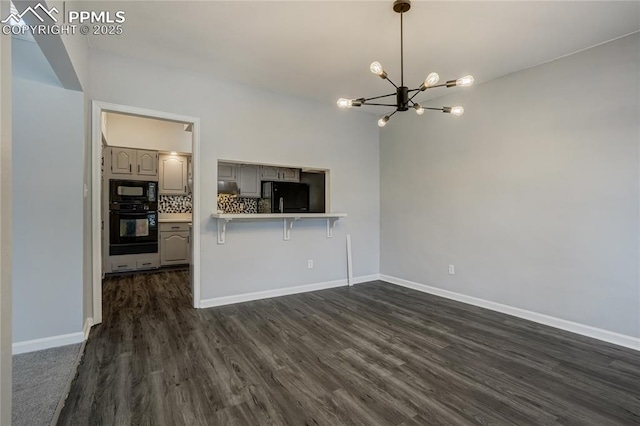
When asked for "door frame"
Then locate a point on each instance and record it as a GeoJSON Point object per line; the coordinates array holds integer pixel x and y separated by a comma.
{"type": "Point", "coordinates": [97, 108]}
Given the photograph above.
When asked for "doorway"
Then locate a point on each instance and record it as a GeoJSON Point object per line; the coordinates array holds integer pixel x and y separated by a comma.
{"type": "Point", "coordinates": [100, 250]}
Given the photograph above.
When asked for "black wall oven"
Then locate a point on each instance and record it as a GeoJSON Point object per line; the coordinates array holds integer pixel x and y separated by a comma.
{"type": "Point", "coordinates": [133, 217]}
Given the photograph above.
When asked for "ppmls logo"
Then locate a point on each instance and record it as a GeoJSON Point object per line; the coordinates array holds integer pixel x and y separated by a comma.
{"type": "Point", "coordinates": [15, 17]}
{"type": "Point", "coordinates": [101, 22]}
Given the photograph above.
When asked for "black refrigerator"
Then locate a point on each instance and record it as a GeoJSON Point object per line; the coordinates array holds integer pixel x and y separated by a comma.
{"type": "Point", "coordinates": [286, 197]}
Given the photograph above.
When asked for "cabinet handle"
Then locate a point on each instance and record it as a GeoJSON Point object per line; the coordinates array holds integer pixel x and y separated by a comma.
{"type": "Point", "coordinates": [175, 227]}
{"type": "Point", "coordinates": [130, 168]}
{"type": "Point", "coordinates": [188, 239]}
{"type": "Point", "coordinates": [138, 168]}
{"type": "Point", "coordinates": [185, 188]}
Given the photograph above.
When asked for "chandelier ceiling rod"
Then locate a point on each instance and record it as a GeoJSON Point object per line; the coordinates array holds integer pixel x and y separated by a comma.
{"type": "Point", "coordinates": [403, 100]}
{"type": "Point", "coordinates": [401, 51]}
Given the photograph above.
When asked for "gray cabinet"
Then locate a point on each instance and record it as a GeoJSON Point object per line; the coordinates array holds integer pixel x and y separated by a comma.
{"type": "Point", "coordinates": [172, 170]}
{"type": "Point", "coordinates": [134, 163]}
{"type": "Point", "coordinates": [122, 161]}
{"type": "Point", "coordinates": [249, 180]}
{"type": "Point", "coordinates": [147, 163]}
{"type": "Point", "coordinates": [227, 172]}
{"type": "Point", "coordinates": [270, 173]}
{"type": "Point", "coordinates": [289, 175]}
{"type": "Point", "coordinates": [175, 244]}
{"type": "Point", "coordinates": [281, 174]}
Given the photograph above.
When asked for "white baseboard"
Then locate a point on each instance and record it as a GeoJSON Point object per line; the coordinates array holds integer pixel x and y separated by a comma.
{"type": "Point", "coordinates": [53, 341]}
{"type": "Point", "coordinates": [573, 327]}
{"type": "Point", "coordinates": [366, 278]}
{"type": "Point", "coordinates": [267, 294]}
{"type": "Point", "coordinates": [47, 342]}
{"type": "Point", "coordinates": [88, 323]}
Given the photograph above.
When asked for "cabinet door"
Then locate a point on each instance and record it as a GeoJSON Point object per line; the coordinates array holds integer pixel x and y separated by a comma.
{"type": "Point", "coordinates": [269, 173]}
{"type": "Point", "coordinates": [174, 248]}
{"type": "Point", "coordinates": [249, 181]}
{"type": "Point", "coordinates": [227, 172]}
{"type": "Point", "coordinates": [122, 161]}
{"type": "Point", "coordinates": [147, 163]}
{"type": "Point", "coordinates": [172, 175]}
{"type": "Point", "coordinates": [289, 175]}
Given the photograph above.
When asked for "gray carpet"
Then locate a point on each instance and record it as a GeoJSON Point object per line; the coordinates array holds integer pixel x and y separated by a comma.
{"type": "Point", "coordinates": [40, 381]}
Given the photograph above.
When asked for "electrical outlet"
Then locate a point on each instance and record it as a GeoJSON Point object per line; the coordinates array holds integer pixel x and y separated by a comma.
{"type": "Point", "coordinates": [452, 270]}
{"type": "Point", "coordinates": [310, 263]}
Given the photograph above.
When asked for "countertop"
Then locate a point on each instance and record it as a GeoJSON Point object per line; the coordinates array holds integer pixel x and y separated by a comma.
{"type": "Point", "coordinates": [174, 217]}
{"type": "Point", "coordinates": [264, 216]}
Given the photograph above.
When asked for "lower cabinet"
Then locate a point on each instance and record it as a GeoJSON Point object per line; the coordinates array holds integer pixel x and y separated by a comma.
{"type": "Point", "coordinates": [133, 262]}
{"type": "Point", "coordinates": [175, 244]}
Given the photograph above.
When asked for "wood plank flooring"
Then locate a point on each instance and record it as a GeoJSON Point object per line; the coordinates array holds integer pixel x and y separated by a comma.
{"type": "Point", "coordinates": [373, 354]}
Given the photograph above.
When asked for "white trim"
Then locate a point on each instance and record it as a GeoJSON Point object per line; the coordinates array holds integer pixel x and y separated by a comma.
{"type": "Point", "coordinates": [365, 279]}
{"type": "Point", "coordinates": [96, 154]}
{"type": "Point", "coordinates": [267, 294]}
{"type": "Point", "coordinates": [47, 342]}
{"type": "Point", "coordinates": [96, 214]}
{"type": "Point", "coordinates": [349, 261]}
{"type": "Point", "coordinates": [573, 327]}
{"type": "Point", "coordinates": [88, 323]}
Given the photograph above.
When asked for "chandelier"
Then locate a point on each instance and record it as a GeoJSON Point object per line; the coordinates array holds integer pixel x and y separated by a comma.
{"type": "Point", "coordinates": [404, 95]}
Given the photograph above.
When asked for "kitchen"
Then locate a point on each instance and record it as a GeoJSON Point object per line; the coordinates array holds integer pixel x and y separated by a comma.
{"type": "Point", "coordinates": [259, 192]}
{"type": "Point", "coordinates": [147, 180]}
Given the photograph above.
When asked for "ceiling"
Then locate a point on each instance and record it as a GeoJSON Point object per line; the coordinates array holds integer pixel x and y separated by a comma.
{"type": "Point", "coordinates": [322, 49]}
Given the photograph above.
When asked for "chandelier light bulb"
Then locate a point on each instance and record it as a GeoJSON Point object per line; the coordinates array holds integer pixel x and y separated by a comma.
{"type": "Point", "coordinates": [432, 79]}
{"type": "Point", "coordinates": [467, 80]}
{"type": "Point", "coordinates": [383, 121]}
{"type": "Point", "coordinates": [419, 109]}
{"type": "Point", "coordinates": [376, 68]}
{"type": "Point", "coordinates": [457, 110]}
{"type": "Point", "coordinates": [344, 103]}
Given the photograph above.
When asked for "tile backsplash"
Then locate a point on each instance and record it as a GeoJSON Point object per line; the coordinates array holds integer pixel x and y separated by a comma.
{"type": "Point", "coordinates": [174, 203]}
{"type": "Point", "coordinates": [233, 204]}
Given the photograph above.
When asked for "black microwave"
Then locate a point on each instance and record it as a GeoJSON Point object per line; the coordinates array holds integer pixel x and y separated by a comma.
{"type": "Point", "coordinates": [132, 192]}
{"type": "Point", "coordinates": [286, 197]}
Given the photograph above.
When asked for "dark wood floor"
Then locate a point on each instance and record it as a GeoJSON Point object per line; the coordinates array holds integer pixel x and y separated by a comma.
{"type": "Point", "coordinates": [373, 354]}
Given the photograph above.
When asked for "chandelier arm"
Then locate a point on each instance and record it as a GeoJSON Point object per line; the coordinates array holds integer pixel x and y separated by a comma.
{"type": "Point", "coordinates": [391, 105]}
{"type": "Point", "coordinates": [392, 83]}
{"type": "Point", "coordinates": [378, 97]}
{"type": "Point", "coordinates": [437, 85]}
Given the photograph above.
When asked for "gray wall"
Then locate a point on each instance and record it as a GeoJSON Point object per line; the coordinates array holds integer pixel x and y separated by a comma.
{"type": "Point", "coordinates": [532, 194]}
{"type": "Point", "coordinates": [5, 224]}
{"type": "Point", "coordinates": [48, 137]}
{"type": "Point", "coordinates": [253, 125]}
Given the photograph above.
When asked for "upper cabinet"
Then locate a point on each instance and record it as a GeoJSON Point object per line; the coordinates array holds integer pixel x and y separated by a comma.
{"type": "Point", "coordinates": [227, 172]}
{"type": "Point", "coordinates": [289, 175]}
{"type": "Point", "coordinates": [134, 163]}
{"type": "Point", "coordinates": [173, 175]}
{"type": "Point", "coordinates": [122, 161]}
{"type": "Point", "coordinates": [249, 180]}
{"type": "Point", "coordinates": [282, 174]}
{"type": "Point", "coordinates": [270, 173]}
{"type": "Point", "coordinates": [249, 177]}
{"type": "Point", "coordinates": [147, 163]}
